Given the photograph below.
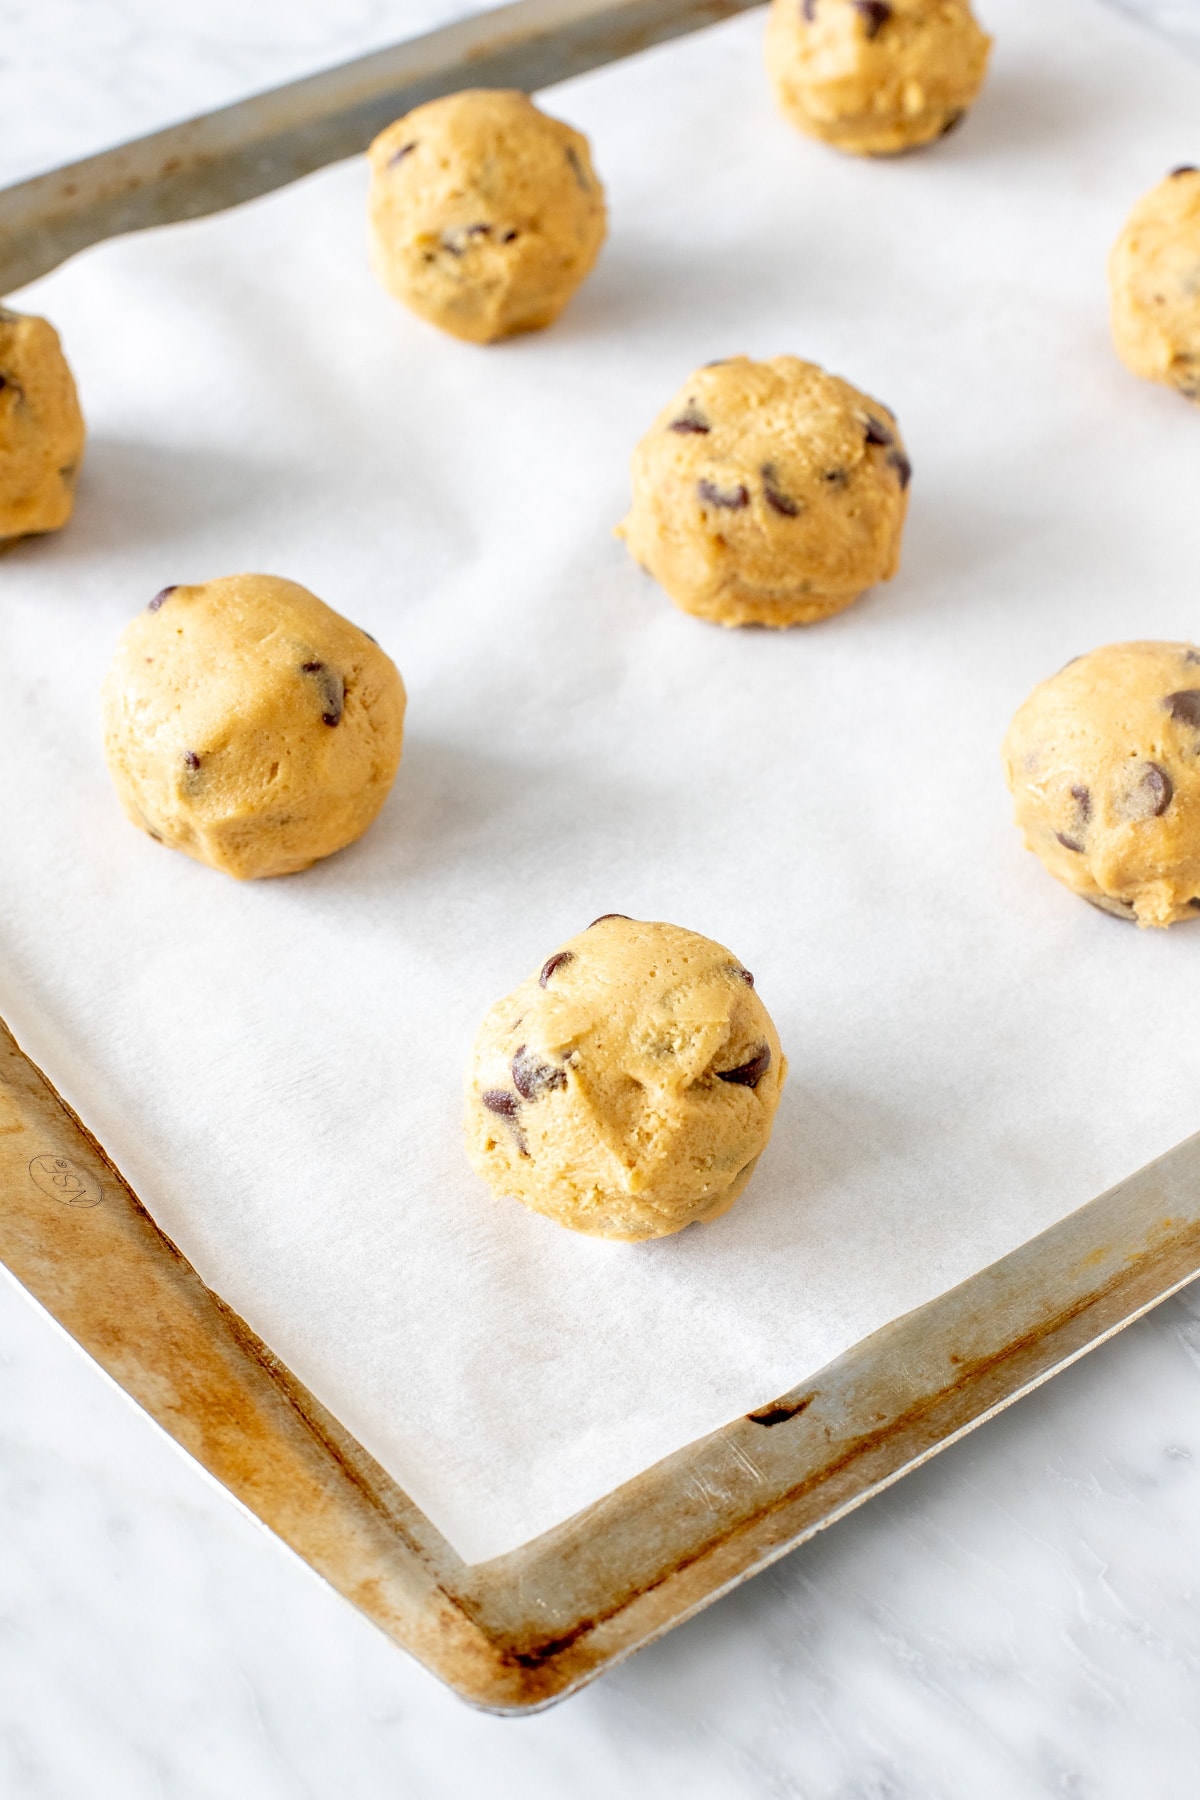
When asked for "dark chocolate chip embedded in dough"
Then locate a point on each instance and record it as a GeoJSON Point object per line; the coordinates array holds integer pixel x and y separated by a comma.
{"type": "Point", "coordinates": [874, 15]}
{"type": "Point", "coordinates": [808, 10]}
{"type": "Point", "coordinates": [480, 230]}
{"type": "Point", "coordinates": [774, 495]}
{"type": "Point", "coordinates": [1195, 901]}
{"type": "Point", "coordinates": [748, 978]}
{"type": "Point", "coordinates": [162, 595]}
{"type": "Point", "coordinates": [499, 1100]}
{"type": "Point", "coordinates": [1146, 794]}
{"type": "Point", "coordinates": [191, 760]}
{"type": "Point", "coordinates": [732, 499]}
{"type": "Point", "coordinates": [750, 1073]}
{"type": "Point", "coordinates": [1069, 843]}
{"type": "Point", "coordinates": [691, 419]}
{"type": "Point", "coordinates": [1158, 787]}
{"type": "Point", "coordinates": [532, 1078]}
{"type": "Point", "coordinates": [558, 961]}
{"type": "Point", "coordinates": [879, 433]}
{"type": "Point", "coordinates": [510, 237]}
{"type": "Point", "coordinates": [1083, 799]}
{"type": "Point", "coordinates": [400, 154]}
{"type": "Point", "coordinates": [331, 689]}
{"type": "Point", "coordinates": [604, 916]}
{"type": "Point", "coordinates": [1116, 909]}
{"type": "Point", "coordinates": [1184, 705]}
{"type": "Point", "coordinates": [899, 461]}
{"type": "Point", "coordinates": [836, 477]}
{"type": "Point", "coordinates": [1191, 654]}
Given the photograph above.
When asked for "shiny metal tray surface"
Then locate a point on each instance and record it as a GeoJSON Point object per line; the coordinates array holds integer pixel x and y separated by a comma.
{"type": "Point", "coordinates": [526, 1628]}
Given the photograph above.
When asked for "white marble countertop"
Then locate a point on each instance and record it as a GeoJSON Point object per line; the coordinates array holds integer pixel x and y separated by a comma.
{"type": "Point", "coordinates": [1021, 1618]}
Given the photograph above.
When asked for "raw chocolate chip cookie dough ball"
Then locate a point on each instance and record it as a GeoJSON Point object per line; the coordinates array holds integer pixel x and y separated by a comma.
{"type": "Point", "coordinates": [250, 726]}
{"type": "Point", "coordinates": [1103, 761]}
{"type": "Point", "coordinates": [485, 214]}
{"type": "Point", "coordinates": [1154, 281]}
{"type": "Point", "coordinates": [628, 1089]}
{"type": "Point", "coordinates": [768, 494]}
{"type": "Point", "coordinates": [41, 428]}
{"type": "Point", "coordinates": [875, 78]}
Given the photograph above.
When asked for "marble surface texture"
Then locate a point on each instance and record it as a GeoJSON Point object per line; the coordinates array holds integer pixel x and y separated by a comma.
{"type": "Point", "coordinates": [1021, 1618]}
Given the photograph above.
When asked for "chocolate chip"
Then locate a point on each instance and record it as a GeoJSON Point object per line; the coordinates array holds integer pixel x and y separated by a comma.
{"type": "Point", "coordinates": [749, 1074]}
{"type": "Point", "coordinates": [532, 1078]}
{"type": "Point", "coordinates": [1159, 787]}
{"type": "Point", "coordinates": [401, 153]}
{"type": "Point", "coordinates": [1195, 901]}
{"type": "Point", "coordinates": [1184, 705]}
{"type": "Point", "coordinates": [1116, 909]}
{"type": "Point", "coordinates": [837, 477]}
{"type": "Point", "coordinates": [898, 460]}
{"type": "Point", "coordinates": [558, 961]}
{"type": "Point", "coordinates": [509, 237]}
{"type": "Point", "coordinates": [1069, 843]}
{"type": "Point", "coordinates": [953, 122]}
{"type": "Point", "coordinates": [163, 594]}
{"type": "Point", "coordinates": [604, 916]}
{"type": "Point", "coordinates": [774, 496]}
{"type": "Point", "coordinates": [498, 1100]}
{"type": "Point", "coordinates": [1083, 800]}
{"type": "Point", "coordinates": [1184, 169]}
{"type": "Point", "coordinates": [1146, 794]}
{"type": "Point", "coordinates": [808, 10]}
{"type": "Point", "coordinates": [577, 169]}
{"type": "Point", "coordinates": [191, 760]}
{"type": "Point", "coordinates": [877, 432]}
{"type": "Point", "coordinates": [450, 245]}
{"type": "Point", "coordinates": [690, 419]}
{"type": "Point", "coordinates": [732, 499]}
{"type": "Point", "coordinates": [479, 230]}
{"type": "Point", "coordinates": [3, 381]}
{"type": "Point", "coordinates": [748, 978]}
{"type": "Point", "coordinates": [331, 689]}
{"type": "Point", "coordinates": [874, 15]}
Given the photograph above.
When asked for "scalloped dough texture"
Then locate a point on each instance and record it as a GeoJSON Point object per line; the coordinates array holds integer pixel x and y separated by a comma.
{"type": "Point", "coordinates": [1103, 762]}
{"type": "Point", "coordinates": [875, 79]}
{"type": "Point", "coordinates": [628, 1088]}
{"type": "Point", "coordinates": [1154, 285]}
{"type": "Point", "coordinates": [41, 427]}
{"type": "Point", "coordinates": [249, 725]}
{"type": "Point", "coordinates": [768, 493]}
{"type": "Point", "coordinates": [485, 213]}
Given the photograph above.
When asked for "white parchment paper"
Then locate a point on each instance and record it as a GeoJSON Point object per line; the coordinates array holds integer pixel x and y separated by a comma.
{"type": "Point", "coordinates": [974, 1053]}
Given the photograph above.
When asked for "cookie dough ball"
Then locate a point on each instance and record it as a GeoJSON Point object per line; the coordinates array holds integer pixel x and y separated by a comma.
{"type": "Point", "coordinates": [628, 1088]}
{"type": "Point", "coordinates": [768, 494]}
{"type": "Point", "coordinates": [250, 726]}
{"type": "Point", "coordinates": [1154, 281]}
{"type": "Point", "coordinates": [875, 78]}
{"type": "Point", "coordinates": [485, 214]}
{"type": "Point", "coordinates": [41, 427]}
{"type": "Point", "coordinates": [1103, 761]}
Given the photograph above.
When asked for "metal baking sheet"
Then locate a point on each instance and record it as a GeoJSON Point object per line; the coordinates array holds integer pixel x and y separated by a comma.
{"type": "Point", "coordinates": [527, 1627]}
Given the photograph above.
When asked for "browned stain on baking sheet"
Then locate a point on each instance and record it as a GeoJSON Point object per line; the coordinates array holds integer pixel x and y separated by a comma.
{"type": "Point", "coordinates": [518, 1631]}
